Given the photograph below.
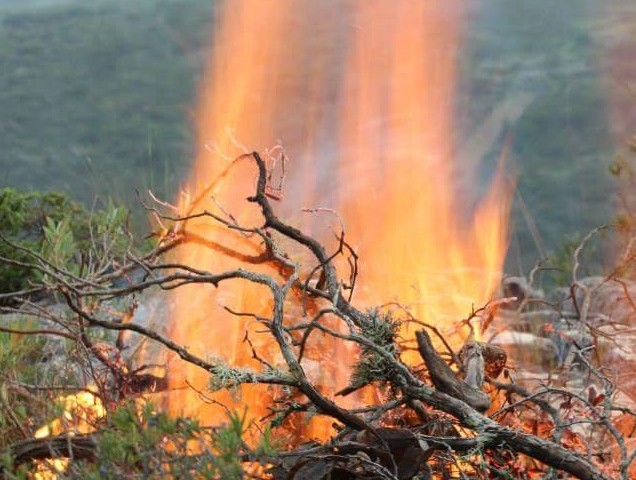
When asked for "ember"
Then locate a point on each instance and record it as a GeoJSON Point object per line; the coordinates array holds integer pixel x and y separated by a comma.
{"type": "Point", "coordinates": [81, 413]}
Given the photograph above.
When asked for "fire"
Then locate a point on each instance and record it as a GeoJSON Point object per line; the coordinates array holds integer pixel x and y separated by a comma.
{"type": "Point", "coordinates": [361, 93]}
{"type": "Point", "coordinates": [420, 247]}
{"type": "Point", "coordinates": [80, 413]}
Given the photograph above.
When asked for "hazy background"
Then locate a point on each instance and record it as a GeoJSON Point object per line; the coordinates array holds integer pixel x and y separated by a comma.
{"type": "Point", "coordinates": [96, 96]}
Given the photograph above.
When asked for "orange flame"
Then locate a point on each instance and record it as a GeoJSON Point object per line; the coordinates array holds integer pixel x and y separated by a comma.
{"type": "Point", "coordinates": [361, 93]}
{"type": "Point", "coordinates": [81, 412]}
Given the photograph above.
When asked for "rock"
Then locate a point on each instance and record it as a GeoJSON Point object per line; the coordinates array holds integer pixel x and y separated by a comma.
{"type": "Point", "coordinates": [519, 288]}
{"type": "Point", "coordinates": [594, 326]}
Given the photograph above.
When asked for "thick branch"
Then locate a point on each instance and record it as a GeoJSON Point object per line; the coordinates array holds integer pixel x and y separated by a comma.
{"type": "Point", "coordinates": [79, 447]}
{"type": "Point", "coordinates": [444, 378]}
{"type": "Point", "coordinates": [491, 433]}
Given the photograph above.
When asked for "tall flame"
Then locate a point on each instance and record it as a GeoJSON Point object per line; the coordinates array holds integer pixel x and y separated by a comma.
{"type": "Point", "coordinates": [361, 93]}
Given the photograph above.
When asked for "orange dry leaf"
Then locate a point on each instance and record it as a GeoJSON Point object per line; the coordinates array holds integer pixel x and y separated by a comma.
{"type": "Point", "coordinates": [626, 424]}
{"type": "Point", "coordinates": [573, 441]}
{"type": "Point", "coordinates": [540, 428]}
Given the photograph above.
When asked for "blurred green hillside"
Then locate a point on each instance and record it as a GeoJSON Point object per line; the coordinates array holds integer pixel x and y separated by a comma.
{"type": "Point", "coordinates": [559, 54]}
{"type": "Point", "coordinates": [94, 95]}
{"type": "Point", "coordinates": [95, 98]}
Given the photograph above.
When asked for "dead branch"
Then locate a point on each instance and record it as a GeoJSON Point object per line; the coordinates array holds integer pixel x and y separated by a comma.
{"type": "Point", "coordinates": [365, 441]}
{"type": "Point", "coordinates": [444, 378]}
{"type": "Point", "coordinates": [79, 447]}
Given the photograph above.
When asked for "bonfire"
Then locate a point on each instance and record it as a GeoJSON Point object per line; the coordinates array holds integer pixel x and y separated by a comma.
{"type": "Point", "coordinates": [327, 310]}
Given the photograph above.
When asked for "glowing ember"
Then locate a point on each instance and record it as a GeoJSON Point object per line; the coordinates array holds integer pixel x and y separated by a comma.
{"type": "Point", "coordinates": [50, 469]}
{"type": "Point", "coordinates": [362, 94]}
{"type": "Point", "coordinates": [81, 412]}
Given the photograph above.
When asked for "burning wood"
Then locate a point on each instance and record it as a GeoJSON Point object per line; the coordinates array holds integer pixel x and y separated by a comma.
{"type": "Point", "coordinates": [407, 424]}
{"type": "Point", "coordinates": [283, 322]}
{"type": "Point", "coordinates": [81, 413]}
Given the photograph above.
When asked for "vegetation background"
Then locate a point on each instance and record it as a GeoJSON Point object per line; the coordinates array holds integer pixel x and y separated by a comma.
{"type": "Point", "coordinates": [95, 101]}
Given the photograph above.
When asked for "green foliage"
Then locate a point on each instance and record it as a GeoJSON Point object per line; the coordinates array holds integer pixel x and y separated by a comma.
{"type": "Point", "coordinates": [140, 442]}
{"type": "Point", "coordinates": [267, 445]}
{"type": "Point", "coordinates": [228, 444]}
{"type": "Point", "coordinates": [57, 228]}
{"type": "Point", "coordinates": [26, 219]}
{"type": "Point", "coordinates": [371, 366]}
{"type": "Point", "coordinates": [59, 243]}
{"type": "Point", "coordinates": [153, 445]}
{"type": "Point", "coordinates": [20, 360]}
{"type": "Point", "coordinates": [563, 176]}
{"type": "Point", "coordinates": [562, 144]}
{"type": "Point", "coordinates": [560, 263]}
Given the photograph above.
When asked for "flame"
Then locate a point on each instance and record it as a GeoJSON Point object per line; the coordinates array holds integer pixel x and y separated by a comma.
{"type": "Point", "coordinates": [405, 212]}
{"type": "Point", "coordinates": [50, 469]}
{"type": "Point", "coordinates": [80, 413]}
{"type": "Point", "coordinates": [362, 95]}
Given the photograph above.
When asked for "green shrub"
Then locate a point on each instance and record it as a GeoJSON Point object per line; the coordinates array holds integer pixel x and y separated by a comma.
{"type": "Point", "coordinates": [20, 360]}
{"type": "Point", "coordinates": [154, 445]}
{"type": "Point", "coordinates": [53, 225]}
